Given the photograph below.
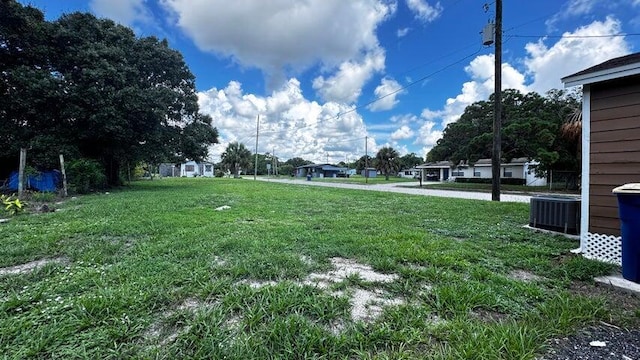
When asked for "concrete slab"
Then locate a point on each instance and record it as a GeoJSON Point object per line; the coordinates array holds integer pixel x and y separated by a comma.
{"type": "Point", "coordinates": [618, 282]}
{"type": "Point", "coordinates": [568, 236]}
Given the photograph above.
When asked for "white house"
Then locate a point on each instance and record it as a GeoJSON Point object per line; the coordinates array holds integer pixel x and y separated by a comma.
{"type": "Point", "coordinates": [438, 171]}
{"type": "Point", "coordinates": [519, 168]}
{"type": "Point", "coordinates": [193, 169]}
{"type": "Point", "coordinates": [409, 173]}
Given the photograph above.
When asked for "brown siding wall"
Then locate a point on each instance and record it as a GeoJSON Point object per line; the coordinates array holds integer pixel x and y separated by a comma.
{"type": "Point", "coordinates": [615, 149]}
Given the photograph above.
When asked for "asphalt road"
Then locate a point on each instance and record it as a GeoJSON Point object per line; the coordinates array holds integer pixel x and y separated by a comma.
{"type": "Point", "coordinates": [403, 188]}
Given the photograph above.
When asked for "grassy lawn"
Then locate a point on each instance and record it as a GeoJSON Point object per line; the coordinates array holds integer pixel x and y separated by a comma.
{"type": "Point", "coordinates": [290, 271]}
{"type": "Point", "coordinates": [487, 188]}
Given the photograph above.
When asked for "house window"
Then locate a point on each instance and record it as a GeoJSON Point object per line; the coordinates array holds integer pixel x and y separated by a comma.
{"type": "Point", "coordinates": [457, 173]}
{"type": "Point", "coordinates": [476, 173]}
{"type": "Point", "coordinates": [207, 168]}
{"type": "Point", "coordinates": [407, 172]}
{"type": "Point", "coordinates": [507, 174]}
{"type": "Point", "coordinates": [188, 168]}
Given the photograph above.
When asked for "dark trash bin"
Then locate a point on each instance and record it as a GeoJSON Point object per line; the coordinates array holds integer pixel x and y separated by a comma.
{"type": "Point", "coordinates": [629, 210]}
{"type": "Point", "coordinates": [308, 177]}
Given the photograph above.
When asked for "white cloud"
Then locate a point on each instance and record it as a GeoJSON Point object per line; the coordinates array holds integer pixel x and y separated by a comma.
{"type": "Point", "coordinates": [346, 85]}
{"type": "Point", "coordinates": [423, 11]}
{"type": "Point", "coordinates": [386, 92]}
{"type": "Point", "coordinates": [428, 136]}
{"type": "Point", "coordinates": [404, 119]}
{"type": "Point", "coordinates": [404, 31]}
{"type": "Point", "coordinates": [278, 34]}
{"type": "Point", "coordinates": [572, 8]}
{"type": "Point", "coordinates": [404, 132]}
{"type": "Point", "coordinates": [481, 71]}
{"type": "Point", "coordinates": [580, 7]}
{"type": "Point", "coordinates": [547, 65]}
{"type": "Point", "coordinates": [543, 66]}
{"type": "Point", "coordinates": [289, 123]}
{"type": "Point", "coordinates": [126, 12]}
{"type": "Point", "coordinates": [430, 114]}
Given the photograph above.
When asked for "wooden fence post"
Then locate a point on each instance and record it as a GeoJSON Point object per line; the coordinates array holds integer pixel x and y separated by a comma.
{"type": "Point", "coordinates": [23, 162]}
{"type": "Point", "coordinates": [64, 176]}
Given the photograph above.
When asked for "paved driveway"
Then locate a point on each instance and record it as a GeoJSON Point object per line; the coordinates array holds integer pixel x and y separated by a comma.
{"type": "Point", "coordinates": [404, 189]}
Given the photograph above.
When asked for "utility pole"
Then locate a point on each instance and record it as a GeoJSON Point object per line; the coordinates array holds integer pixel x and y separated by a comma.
{"type": "Point", "coordinates": [366, 161]}
{"type": "Point", "coordinates": [497, 108]}
{"type": "Point", "coordinates": [274, 161]}
{"type": "Point", "coordinates": [255, 169]}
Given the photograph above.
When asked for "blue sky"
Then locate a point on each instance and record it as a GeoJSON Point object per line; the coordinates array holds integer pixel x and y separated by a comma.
{"type": "Point", "coordinates": [323, 75]}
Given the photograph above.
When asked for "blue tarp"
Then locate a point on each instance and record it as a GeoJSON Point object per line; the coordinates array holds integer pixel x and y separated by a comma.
{"type": "Point", "coordinates": [44, 181]}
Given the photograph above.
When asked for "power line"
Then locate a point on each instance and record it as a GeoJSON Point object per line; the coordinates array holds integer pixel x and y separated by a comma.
{"type": "Point", "coordinates": [408, 85]}
{"type": "Point", "coordinates": [355, 108]}
{"type": "Point", "coordinates": [574, 36]}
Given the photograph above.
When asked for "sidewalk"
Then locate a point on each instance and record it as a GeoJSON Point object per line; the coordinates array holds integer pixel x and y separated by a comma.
{"type": "Point", "coordinates": [403, 189]}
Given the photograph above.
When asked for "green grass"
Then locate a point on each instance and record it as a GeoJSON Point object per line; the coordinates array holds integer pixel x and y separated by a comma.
{"type": "Point", "coordinates": [133, 260]}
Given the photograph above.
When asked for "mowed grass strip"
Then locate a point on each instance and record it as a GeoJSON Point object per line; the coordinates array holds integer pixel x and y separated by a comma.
{"type": "Point", "coordinates": [155, 271]}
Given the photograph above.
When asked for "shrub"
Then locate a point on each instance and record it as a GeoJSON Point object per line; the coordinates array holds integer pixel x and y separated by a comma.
{"type": "Point", "coordinates": [503, 181]}
{"type": "Point", "coordinates": [38, 196]}
{"type": "Point", "coordinates": [219, 173]}
{"type": "Point", "coordinates": [12, 206]}
{"type": "Point", "coordinates": [85, 175]}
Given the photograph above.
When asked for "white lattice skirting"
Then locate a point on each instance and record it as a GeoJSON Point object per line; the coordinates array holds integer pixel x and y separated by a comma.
{"type": "Point", "coordinates": [602, 247]}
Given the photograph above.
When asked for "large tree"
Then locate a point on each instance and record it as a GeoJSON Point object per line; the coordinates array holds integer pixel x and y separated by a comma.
{"type": "Point", "coordinates": [410, 160]}
{"type": "Point", "coordinates": [530, 128]}
{"type": "Point", "coordinates": [364, 161]}
{"type": "Point", "coordinates": [87, 87]}
{"type": "Point", "coordinates": [236, 157]}
{"type": "Point", "coordinates": [30, 89]}
{"type": "Point", "coordinates": [388, 161]}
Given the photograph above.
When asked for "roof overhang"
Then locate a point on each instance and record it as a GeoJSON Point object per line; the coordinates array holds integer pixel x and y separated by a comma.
{"type": "Point", "coordinates": [602, 75]}
{"type": "Point", "coordinates": [433, 167]}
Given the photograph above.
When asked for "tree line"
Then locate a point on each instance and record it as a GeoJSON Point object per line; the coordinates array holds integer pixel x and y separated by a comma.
{"type": "Point", "coordinates": [387, 160]}
{"type": "Point", "coordinates": [533, 126]}
{"type": "Point", "coordinates": [92, 90]}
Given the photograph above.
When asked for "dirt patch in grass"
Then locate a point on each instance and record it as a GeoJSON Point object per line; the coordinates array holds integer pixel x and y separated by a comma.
{"type": "Point", "coordinates": [125, 241]}
{"type": "Point", "coordinates": [160, 333]}
{"type": "Point", "coordinates": [488, 316]}
{"type": "Point", "coordinates": [523, 275]}
{"type": "Point", "coordinates": [258, 284]}
{"type": "Point", "coordinates": [346, 267]}
{"type": "Point", "coordinates": [367, 305]}
{"type": "Point", "coordinates": [218, 261]}
{"type": "Point", "coordinates": [31, 266]}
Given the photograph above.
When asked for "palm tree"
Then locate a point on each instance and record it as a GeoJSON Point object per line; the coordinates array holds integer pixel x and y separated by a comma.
{"type": "Point", "coordinates": [236, 157]}
{"type": "Point", "coordinates": [387, 161]}
{"type": "Point", "coordinates": [571, 130]}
